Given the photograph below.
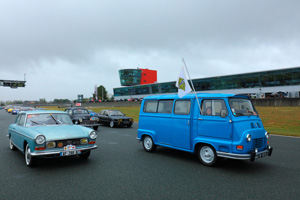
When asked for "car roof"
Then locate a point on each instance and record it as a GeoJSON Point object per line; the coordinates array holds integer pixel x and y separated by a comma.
{"type": "Point", "coordinates": [43, 112]}
{"type": "Point", "coordinates": [192, 96]}
{"type": "Point", "coordinates": [75, 108]}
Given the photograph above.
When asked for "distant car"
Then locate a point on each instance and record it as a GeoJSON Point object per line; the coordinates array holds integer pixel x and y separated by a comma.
{"type": "Point", "coordinates": [49, 134]}
{"type": "Point", "coordinates": [81, 116]}
{"type": "Point", "coordinates": [92, 113]}
{"type": "Point", "coordinates": [15, 111]}
{"type": "Point", "coordinates": [114, 118]}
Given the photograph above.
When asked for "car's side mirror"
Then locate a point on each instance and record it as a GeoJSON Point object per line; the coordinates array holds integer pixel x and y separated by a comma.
{"type": "Point", "coordinates": [224, 113]}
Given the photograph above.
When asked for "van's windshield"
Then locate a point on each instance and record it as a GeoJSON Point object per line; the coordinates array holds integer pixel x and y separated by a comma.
{"type": "Point", "coordinates": [241, 107]}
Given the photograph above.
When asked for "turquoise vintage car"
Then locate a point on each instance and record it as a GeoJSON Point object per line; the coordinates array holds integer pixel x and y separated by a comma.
{"type": "Point", "coordinates": [49, 134]}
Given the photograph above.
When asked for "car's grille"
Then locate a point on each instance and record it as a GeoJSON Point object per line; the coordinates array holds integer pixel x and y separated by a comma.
{"type": "Point", "coordinates": [68, 142]}
{"type": "Point", "coordinates": [258, 143]}
{"type": "Point", "coordinates": [125, 120]}
{"type": "Point", "coordinates": [87, 121]}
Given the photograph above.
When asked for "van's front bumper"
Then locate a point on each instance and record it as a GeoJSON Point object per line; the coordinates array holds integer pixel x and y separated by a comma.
{"type": "Point", "coordinates": [251, 156]}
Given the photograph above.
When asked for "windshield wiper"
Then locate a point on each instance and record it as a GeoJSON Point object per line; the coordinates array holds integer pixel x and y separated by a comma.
{"type": "Point", "coordinates": [56, 121]}
{"type": "Point", "coordinates": [34, 122]}
{"type": "Point", "coordinates": [239, 114]}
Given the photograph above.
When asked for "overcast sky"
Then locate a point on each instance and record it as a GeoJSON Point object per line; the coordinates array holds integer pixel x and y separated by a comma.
{"type": "Point", "coordinates": [66, 47]}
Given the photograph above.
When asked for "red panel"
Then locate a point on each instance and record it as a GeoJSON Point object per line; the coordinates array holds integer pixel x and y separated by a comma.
{"type": "Point", "coordinates": [148, 76]}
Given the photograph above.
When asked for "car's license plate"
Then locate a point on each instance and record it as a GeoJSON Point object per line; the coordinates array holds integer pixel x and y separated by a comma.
{"type": "Point", "coordinates": [70, 153]}
{"type": "Point", "coordinates": [262, 154]}
{"type": "Point", "coordinates": [126, 122]}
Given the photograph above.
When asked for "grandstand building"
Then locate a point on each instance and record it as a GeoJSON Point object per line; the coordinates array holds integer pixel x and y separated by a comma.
{"type": "Point", "coordinates": [264, 84]}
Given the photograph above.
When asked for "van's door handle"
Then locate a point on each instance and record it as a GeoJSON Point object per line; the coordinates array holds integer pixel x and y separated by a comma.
{"type": "Point", "coordinates": [200, 119]}
{"type": "Point", "coordinates": [188, 122]}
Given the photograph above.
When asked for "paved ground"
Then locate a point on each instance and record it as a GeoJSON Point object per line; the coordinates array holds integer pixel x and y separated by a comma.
{"type": "Point", "coordinates": [121, 169]}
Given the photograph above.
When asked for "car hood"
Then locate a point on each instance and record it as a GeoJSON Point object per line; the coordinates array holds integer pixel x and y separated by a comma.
{"type": "Point", "coordinates": [83, 116]}
{"type": "Point", "coordinates": [61, 132]}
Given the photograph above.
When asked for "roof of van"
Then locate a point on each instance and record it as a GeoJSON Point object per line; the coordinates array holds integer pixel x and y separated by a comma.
{"type": "Point", "coordinates": [191, 95]}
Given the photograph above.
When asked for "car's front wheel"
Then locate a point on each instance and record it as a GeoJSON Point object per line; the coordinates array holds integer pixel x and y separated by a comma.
{"type": "Point", "coordinates": [207, 155]}
{"type": "Point", "coordinates": [85, 155]}
{"type": "Point", "coordinates": [111, 124]}
{"type": "Point", "coordinates": [11, 145]}
{"type": "Point", "coordinates": [30, 161]}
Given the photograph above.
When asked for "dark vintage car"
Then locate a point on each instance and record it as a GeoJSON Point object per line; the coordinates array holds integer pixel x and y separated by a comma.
{"type": "Point", "coordinates": [81, 116]}
{"type": "Point", "coordinates": [114, 118]}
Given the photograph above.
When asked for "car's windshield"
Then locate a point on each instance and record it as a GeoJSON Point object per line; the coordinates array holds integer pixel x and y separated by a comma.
{"type": "Point", "coordinates": [115, 113]}
{"type": "Point", "coordinates": [241, 107]}
{"type": "Point", "coordinates": [48, 119]}
{"type": "Point", "coordinates": [81, 111]}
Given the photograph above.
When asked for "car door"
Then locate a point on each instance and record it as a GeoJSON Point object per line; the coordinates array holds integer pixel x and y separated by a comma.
{"type": "Point", "coordinates": [17, 131]}
{"type": "Point", "coordinates": [181, 124]}
{"type": "Point", "coordinates": [210, 122]}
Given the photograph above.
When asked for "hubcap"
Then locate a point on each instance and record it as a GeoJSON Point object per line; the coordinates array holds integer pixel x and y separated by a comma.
{"type": "Point", "coordinates": [10, 144]}
{"type": "Point", "coordinates": [27, 155]}
{"type": "Point", "coordinates": [148, 143]}
{"type": "Point", "coordinates": [207, 154]}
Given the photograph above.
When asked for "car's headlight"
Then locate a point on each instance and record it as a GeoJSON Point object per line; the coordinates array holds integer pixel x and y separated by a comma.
{"type": "Point", "coordinates": [80, 120]}
{"type": "Point", "coordinates": [248, 137]}
{"type": "Point", "coordinates": [131, 119]}
{"type": "Point", "coordinates": [40, 139]}
{"type": "Point", "coordinates": [84, 141]}
{"type": "Point", "coordinates": [267, 135]}
{"type": "Point", "coordinates": [51, 145]}
{"type": "Point", "coordinates": [93, 135]}
{"type": "Point", "coordinates": [120, 120]}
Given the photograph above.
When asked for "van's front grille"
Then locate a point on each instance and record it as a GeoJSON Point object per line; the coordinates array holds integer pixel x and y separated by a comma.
{"type": "Point", "coordinates": [259, 143]}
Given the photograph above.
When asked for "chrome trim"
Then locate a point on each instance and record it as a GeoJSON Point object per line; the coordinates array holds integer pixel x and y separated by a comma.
{"type": "Point", "coordinates": [21, 134]}
{"type": "Point", "coordinates": [239, 156]}
{"type": "Point", "coordinates": [56, 152]}
{"type": "Point", "coordinates": [138, 139]}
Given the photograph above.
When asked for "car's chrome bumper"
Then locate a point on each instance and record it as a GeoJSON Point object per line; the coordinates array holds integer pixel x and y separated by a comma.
{"type": "Point", "coordinates": [57, 152]}
{"type": "Point", "coordinates": [251, 156]}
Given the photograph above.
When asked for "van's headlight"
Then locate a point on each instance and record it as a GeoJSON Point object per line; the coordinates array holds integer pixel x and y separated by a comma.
{"type": "Point", "coordinates": [93, 135]}
{"type": "Point", "coordinates": [248, 137]}
{"type": "Point", "coordinates": [40, 139]}
{"type": "Point", "coordinates": [267, 135]}
{"type": "Point", "coordinates": [80, 120]}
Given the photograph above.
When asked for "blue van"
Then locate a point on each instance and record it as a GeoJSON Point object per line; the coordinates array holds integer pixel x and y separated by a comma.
{"type": "Point", "coordinates": [215, 125]}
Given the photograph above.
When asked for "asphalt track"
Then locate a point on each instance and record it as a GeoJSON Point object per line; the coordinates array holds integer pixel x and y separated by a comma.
{"type": "Point", "coordinates": [121, 169]}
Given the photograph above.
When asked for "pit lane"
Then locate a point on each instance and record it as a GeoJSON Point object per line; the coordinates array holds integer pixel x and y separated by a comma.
{"type": "Point", "coordinates": [121, 169]}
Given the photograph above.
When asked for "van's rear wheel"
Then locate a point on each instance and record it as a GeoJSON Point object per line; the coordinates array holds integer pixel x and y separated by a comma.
{"type": "Point", "coordinates": [207, 155]}
{"type": "Point", "coordinates": [148, 144]}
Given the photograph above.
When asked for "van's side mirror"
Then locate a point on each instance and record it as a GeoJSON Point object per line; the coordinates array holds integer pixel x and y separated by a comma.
{"type": "Point", "coordinates": [224, 113]}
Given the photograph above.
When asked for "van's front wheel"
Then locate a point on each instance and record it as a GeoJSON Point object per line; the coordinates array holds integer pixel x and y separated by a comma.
{"type": "Point", "coordinates": [148, 144]}
{"type": "Point", "coordinates": [207, 155]}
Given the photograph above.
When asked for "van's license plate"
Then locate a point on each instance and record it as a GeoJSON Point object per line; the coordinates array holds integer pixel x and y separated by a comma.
{"type": "Point", "coordinates": [69, 153]}
{"type": "Point", "coordinates": [262, 155]}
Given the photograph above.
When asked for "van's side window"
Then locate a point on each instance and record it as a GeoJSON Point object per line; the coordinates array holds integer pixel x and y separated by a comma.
{"type": "Point", "coordinates": [182, 107]}
{"type": "Point", "coordinates": [212, 107]}
{"type": "Point", "coordinates": [165, 106]}
{"type": "Point", "coordinates": [150, 106]}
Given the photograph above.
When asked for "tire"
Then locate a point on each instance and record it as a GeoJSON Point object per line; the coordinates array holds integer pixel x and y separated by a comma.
{"type": "Point", "coordinates": [95, 128]}
{"type": "Point", "coordinates": [85, 155]}
{"type": "Point", "coordinates": [11, 145]}
{"type": "Point", "coordinates": [148, 144]}
{"type": "Point", "coordinates": [29, 160]}
{"type": "Point", "coordinates": [207, 155]}
{"type": "Point", "coordinates": [111, 124]}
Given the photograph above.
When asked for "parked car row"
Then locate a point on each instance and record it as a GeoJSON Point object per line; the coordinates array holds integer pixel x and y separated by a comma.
{"type": "Point", "coordinates": [46, 133]}
{"type": "Point", "coordinates": [14, 110]}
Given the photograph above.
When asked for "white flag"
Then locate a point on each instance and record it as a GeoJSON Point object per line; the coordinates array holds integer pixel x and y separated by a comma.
{"type": "Point", "coordinates": [182, 84]}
